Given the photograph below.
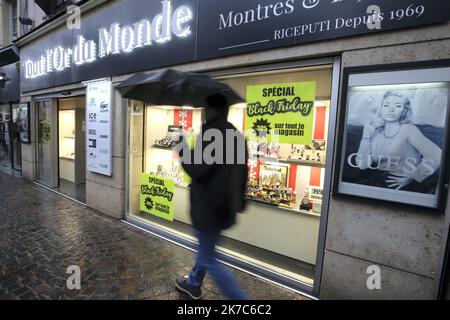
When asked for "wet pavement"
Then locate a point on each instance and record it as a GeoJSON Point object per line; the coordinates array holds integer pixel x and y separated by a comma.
{"type": "Point", "coordinates": [42, 234]}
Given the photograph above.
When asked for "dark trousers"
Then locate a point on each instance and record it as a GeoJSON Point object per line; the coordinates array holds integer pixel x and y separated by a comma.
{"type": "Point", "coordinates": [206, 261]}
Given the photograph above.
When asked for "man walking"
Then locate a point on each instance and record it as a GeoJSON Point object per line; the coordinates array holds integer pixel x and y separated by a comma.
{"type": "Point", "coordinates": [217, 194]}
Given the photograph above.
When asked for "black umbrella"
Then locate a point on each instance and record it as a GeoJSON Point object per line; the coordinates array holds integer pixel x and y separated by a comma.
{"type": "Point", "coordinates": [175, 88]}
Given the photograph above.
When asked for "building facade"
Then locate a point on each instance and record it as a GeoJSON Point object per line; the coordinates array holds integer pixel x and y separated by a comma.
{"type": "Point", "coordinates": [318, 220]}
{"type": "Point", "coordinates": [17, 17]}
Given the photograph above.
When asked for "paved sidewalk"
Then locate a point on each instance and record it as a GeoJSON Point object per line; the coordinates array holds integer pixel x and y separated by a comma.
{"type": "Point", "coordinates": [42, 233]}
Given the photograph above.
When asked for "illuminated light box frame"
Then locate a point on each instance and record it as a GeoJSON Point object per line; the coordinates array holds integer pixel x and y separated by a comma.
{"type": "Point", "coordinates": [369, 166]}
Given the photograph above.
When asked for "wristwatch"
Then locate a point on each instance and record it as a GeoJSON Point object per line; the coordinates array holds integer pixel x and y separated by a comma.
{"type": "Point", "coordinates": [305, 205]}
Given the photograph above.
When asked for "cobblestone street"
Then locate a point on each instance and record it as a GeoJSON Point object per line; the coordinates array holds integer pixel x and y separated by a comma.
{"type": "Point", "coordinates": [42, 233]}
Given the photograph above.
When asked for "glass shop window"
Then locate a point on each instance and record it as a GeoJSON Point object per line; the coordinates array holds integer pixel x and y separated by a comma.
{"type": "Point", "coordinates": [285, 120]}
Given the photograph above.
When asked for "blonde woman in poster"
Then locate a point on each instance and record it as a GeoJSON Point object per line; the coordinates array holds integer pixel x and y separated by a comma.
{"type": "Point", "coordinates": [393, 145]}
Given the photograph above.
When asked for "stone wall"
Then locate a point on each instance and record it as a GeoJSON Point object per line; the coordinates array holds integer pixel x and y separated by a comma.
{"type": "Point", "coordinates": [406, 243]}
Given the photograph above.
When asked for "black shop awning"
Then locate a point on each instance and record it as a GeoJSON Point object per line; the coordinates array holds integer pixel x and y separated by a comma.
{"type": "Point", "coordinates": [48, 6]}
{"type": "Point", "coordinates": [9, 55]}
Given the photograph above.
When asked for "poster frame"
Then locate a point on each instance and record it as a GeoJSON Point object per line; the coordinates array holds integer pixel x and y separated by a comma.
{"type": "Point", "coordinates": [109, 132]}
{"type": "Point", "coordinates": [444, 171]}
{"type": "Point", "coordinates": [28, 119]}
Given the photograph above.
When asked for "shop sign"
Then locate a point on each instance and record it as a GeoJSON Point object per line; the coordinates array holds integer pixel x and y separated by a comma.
{"type": "Point", "coordinates": [230, 27]}
{"type": "Point", "coordinates": [130, 36]}
{"type": "Point", "coordinates": [99, 127]}
{"type": "Point", "coordinates": [115, 39]}
{"type": "Point", "coordinates": [156, 196]}
{"type": "Point", "coordinates": [281, 113]}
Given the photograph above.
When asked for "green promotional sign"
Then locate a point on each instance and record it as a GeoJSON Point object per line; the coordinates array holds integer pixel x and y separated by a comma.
{"type": "Point", "coordinates": [281, 113]}
{"type": "Point", "coordinates": [46, 130]}
{"type": "Point", "coordinates": [157, 196]}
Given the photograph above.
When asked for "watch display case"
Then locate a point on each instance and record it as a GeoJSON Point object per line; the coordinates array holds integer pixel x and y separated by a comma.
{"type": "Point", "coordinates": [277, 184]}
{"type": "Point", "coordinates": [272, 187]}
{"type": "Point", "coordinates": [173, 171]}
{"type": "Point", "coordinates": [287, 175]}
{"type": "Point", "coordinates": [314, 153]}
{"type": "Point", "coordinates": [171, 139]}
{"type": "Point", "coordinates": [160, 158]}
{"type": "Point", "coordinates": [264, 150]}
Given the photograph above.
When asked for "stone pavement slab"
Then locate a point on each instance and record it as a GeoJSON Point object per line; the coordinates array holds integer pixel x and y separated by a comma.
{"type": "Point", "coordinates": [42, 234]}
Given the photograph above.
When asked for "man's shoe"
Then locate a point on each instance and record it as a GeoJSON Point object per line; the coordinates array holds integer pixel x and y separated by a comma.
{"type": "Point", "coordinates": [193, 291]}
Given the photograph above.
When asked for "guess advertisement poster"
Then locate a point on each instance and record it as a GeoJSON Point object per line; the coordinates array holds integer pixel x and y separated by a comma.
{"type": "Point", "coordinates": [281, 113]}
{"type": "Point", "coordinates": [395, 136]}
{"type": "Point", "coordinates": [156, 196]}
{"type": "Point", "coordinates": [24, 122]}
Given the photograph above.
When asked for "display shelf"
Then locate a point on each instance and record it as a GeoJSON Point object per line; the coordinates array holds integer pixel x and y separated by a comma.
{"type": "Point", "coordinates": [266, 203]}
{"type": "Point", "coordinates": [162, 148]}
{"type": "Point", "coordinates": [67, 158]}
{"type": "Point", "coordinates": [303, 163]}
{"type": "Point", "coordinates": [262, 158]}
{"type": "Point", "coordinates": [290, 161]}
{"type": "Point", "coordinates": [262, 201]}
{"type": "Point", "coordinates": [310, 213]}
{"type": "Point", "coordinates": [182, 187]}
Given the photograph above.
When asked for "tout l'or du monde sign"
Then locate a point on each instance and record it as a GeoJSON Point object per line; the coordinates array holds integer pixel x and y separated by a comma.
{"type": "Point", "coordinates": [282, 112]}
{"type": "Point", "coordinates": [117, 39]}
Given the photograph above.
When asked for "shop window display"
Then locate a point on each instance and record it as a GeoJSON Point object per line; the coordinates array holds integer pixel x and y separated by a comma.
{"type": "Point", "coordinates": [160, 158]}
{"type": "Point", "coordinates": [302, 165]}
{"type": "Point", "coordinates": [286, 132]}
{"type": "Point", "coordinates": [286, 127]}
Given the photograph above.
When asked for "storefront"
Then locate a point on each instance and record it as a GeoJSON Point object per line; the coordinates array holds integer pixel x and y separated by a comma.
{"type": "Point", "coordinates": [279, 232]}
{"type": "Point", "coordinates": [300, 229]}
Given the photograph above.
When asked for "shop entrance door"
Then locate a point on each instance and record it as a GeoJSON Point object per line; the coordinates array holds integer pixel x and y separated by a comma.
{"type": "Point", "coordinates": [5, 137]}
{"type": "Point", "coordinates": [15, 138]}
{"type": "Point", "coordinates": [72, 147]}
{"type": "Point", "coordinates": [10, 145]}
{"type": "Point", "coordinates": [47, 166]}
